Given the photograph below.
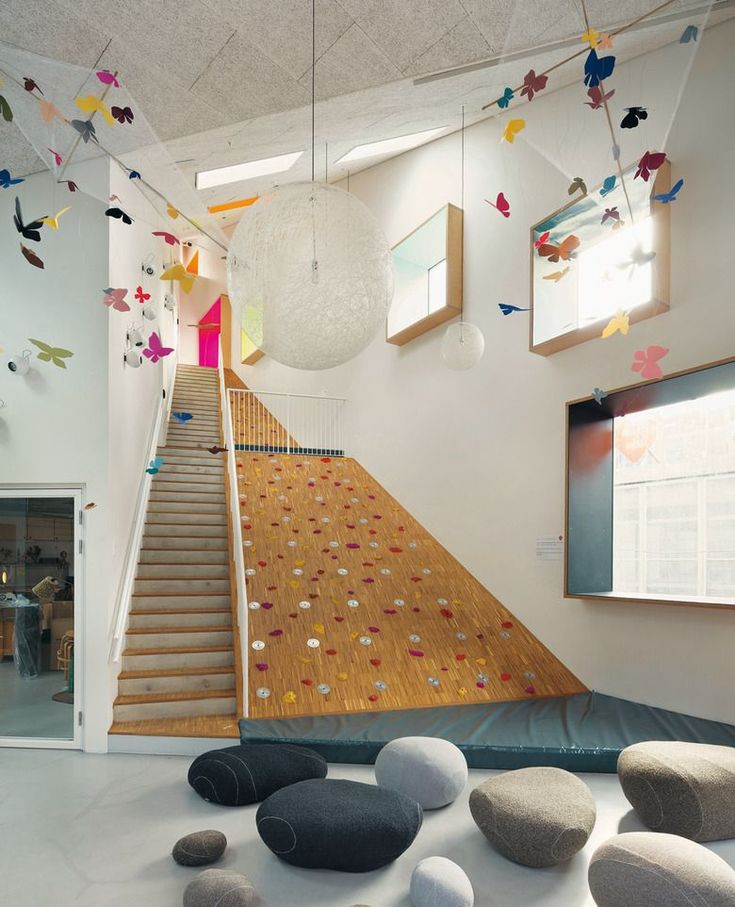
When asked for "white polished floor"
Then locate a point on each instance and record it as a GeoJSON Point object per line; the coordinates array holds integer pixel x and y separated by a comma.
{"type": "Point", "coordinates": [97, 831]}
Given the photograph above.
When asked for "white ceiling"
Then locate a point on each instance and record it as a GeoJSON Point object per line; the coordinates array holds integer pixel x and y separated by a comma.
{"type": "Point", "coordinates": [226, 81]}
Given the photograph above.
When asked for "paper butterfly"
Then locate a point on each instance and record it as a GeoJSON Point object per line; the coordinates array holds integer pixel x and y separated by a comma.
{"type": "Point", "coordinates": [512, 128]}
{"type": "Point", "coordinates": [596, 69]}
{"type": "Point", "coordinates": [49, 111]}
{"type": "Point", "coordinates": [58, 159]}
{"type": "Point", "coordinates": [178, 272]}
{"type": "Point", "coordinates": [633, 117]}
{"type": "Point", "coordinates": [619, 322]}
{"type": "Point", "coordinates": [608, 185]}
{"type": "Point", "coordinates": [690, 33]}
{"type": "Point", "coordinates": [651, 160]}
{"type": "Point", "coordinates": [86, 130]}
{"type": "Point", "coordinates": [599, 395]}
{"type": "Point", "coordinates": [27, 231]}
{"type": "Point", "coordinates": [108, 78]}
{"type": "Point", "coordinates": [542, 239]}
{"type": "Point", "coordinates": [169, 238]}
{"type": "Point", "coordinates": [171, 211]}
{"type": "Point", "coordinates": [577, 185]}
{"type": "Point", "coordinates": [123, 114]}
{"type": "Point", "coordinates": [500, 204]}
{"type": "Point", "coordinates": [556, 276]}
{"type": "Point", "coordinates": [182, 417]}
{"type": "Point", "coordinates": [31, 257]}
{"type": "Point", "coordinates": [610, 214]}
{"type": "Point", "coordinates": [55, 354]}
{"type": "Point", "coordinates": [671, 195]}
{"type": "Point", "coordinates": [532, 84]}
{"type": "Point", "coordinates": [591, 36]}
{"type": "Point", "coordinates": [133, 175]}
{"type": "Point", "coordinates": [505, 100]}
{"type": "Point", "coordinates": [509, 309]}
{"type": "Point", "coordinates": [90, 104]}
{"type": "Point", "coordinates": [115, 298]}
{"type": "Point", "coordinates": [154, 466]}
{"type": "Point", "coordinates": [155, 349]}
{"type": "Point", "coordinates": [119, 214]}
{"type": "Point", "coordinates": [605, 42]}
{"type": "Point", "coordinates": [597, 97]}
{"type": "Point", "coordinates": [70, 185]}
{"type": "Point", "coordinates": [31, 85]}
{"type": "Point", "coordinates": [646, 361]}
{"type": "Point", "coordinates": [141, 295]}
{"type": "Point", "coordinates": [6, 110]}
{"type": "Point", "coordinates": [53, 222]}
{"type": "Point", "coordinates": [564, 250]}
{"type": "Point", "coordinates": [6, 182]}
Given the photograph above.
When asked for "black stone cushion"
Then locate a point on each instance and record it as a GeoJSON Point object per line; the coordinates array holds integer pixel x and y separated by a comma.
{"type": "Point", "coordinates": [239, 775]}
{"type": "Point", "coordinates": [340, 825]}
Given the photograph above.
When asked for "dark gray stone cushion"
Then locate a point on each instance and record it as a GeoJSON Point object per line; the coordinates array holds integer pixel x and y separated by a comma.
{"type": "Point", "coordinates": [340, 825]}
{"type": "Point", "coordinates": [535, 816]}
{"type": "Point", "coordinates": [199, 848]}
{"type": "Point", "coordinates": [645, 869]}
{"type": "Point", "coordinates": [685, 789]}
{"type": "Point", "coordinates": [239, 775]}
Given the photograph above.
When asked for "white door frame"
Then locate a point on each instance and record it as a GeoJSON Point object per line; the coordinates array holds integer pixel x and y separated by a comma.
{"type": "Point", "coordinates": [77, 493]}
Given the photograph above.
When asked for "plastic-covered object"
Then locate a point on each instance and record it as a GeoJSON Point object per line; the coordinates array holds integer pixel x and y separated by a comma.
{"type": "Point", "coordinates": [27, 644]}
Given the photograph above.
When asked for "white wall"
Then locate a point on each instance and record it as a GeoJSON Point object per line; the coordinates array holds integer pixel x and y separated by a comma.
{"type": "Point", "coordinates": [478, 456]}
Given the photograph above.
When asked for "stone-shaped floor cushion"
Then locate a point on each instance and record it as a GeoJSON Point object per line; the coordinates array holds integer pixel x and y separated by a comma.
{"type": "Point", "coordinates": [199, 848]}
{"type": "Point", "coordinates": [220, 888]}
{"type": "Point", "coordinates": [427, 769]}
{"type": "Point", "coordinates": [438, 882]}
{"type": "Point", "coordinates": [535, 816]}
{"type": "Point", "coordinates": [341, 825]}
{"type": "Point", "coordinates": [647, 869]}
{"type": "Point", "coordinates": [239, 775]}
{"type": "Point", "coordinates": [684, 789]}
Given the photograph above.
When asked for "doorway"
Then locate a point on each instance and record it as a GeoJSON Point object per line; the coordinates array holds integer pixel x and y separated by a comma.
{"type": "Point", "coordinates": [40, 617]}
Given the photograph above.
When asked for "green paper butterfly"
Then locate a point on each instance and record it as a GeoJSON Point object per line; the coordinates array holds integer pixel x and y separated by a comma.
{"type": "Point", "coordinates": [55, 354]}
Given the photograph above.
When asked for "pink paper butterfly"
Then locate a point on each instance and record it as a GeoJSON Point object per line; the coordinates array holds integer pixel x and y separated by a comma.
{"type": "Point", "coordinates": [58, 159]}
{"type": "Point", "coordinates": [171, 240]}
{"type": "Point", "coordinates": [107, 77]}
{"type": "Point", "coordinates": [646, 361]}
{"type": "Point", "coordinates": [155, 349]}
{"type": "Point", "coordinates": [116, 299]}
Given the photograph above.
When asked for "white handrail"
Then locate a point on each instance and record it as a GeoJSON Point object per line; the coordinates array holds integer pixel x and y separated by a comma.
{"type": "Point", "coordinates": [119, 623]}
{"type": "Point", "coordinates": [236, 530]}
{"type": "Point", "coordinates": [251, 390]}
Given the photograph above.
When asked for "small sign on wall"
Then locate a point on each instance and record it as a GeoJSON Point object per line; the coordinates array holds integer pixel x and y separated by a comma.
{"type": "Point", "coordinates": [550, 548]}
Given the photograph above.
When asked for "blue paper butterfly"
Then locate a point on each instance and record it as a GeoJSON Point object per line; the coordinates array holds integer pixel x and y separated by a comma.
{"type": "Point", "coordinates": [506, 99]}
{"type": "Point", "coordinates": [182, 417]}
{"type": "Point", "coordinates": [597, 68]}
{"type": "Point", "coordinates": [671, 195]}
{"type": "Point", "coordinates": [154, 466]}
{"type": "Point", "coordinates": [6, 182]}
{"type": "Point", "coordinates": [608, 185]}
{"type": "Point", "coordinates": [509, 309]}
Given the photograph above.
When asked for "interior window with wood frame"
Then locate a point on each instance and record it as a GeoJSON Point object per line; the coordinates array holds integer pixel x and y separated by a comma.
{"type": "Point", "coordinates": [605, 252]}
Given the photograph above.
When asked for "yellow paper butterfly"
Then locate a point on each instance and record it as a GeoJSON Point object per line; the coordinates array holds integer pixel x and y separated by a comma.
{"type": "Point", "coordinates": [53, 222]}
{"type": "Point", "coordinates": [619, 322]}
{"type": "Point", "coordinates": [178, 272]}
{"type": "Point", "coordinates": [90, 104]}
{"type": "Point", "coordinates": [512, 128]}
{"type": "Point", "coordinates": [172, 212]}
{"type": "Point", "coordinates": [592, 37]}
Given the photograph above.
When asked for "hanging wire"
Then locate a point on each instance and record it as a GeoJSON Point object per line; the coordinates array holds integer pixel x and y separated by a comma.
{"type": "Point", "coordinates": [461, 196]}
{"type": "Point", "coordinates": [313, 82]}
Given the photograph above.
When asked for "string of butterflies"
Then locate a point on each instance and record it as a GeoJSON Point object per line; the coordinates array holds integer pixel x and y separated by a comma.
{"type": "Point", "coordinates": [596, 70]}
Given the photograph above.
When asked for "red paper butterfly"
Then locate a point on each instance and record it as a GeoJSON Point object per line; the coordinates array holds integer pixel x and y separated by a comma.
{"type": "Point", "coordinates": [155, 349]}
{"type": "Point", "coordinates": [651, 160]}
{"type": "Point", "coordinates": [170, 239]}
{"type": "Point", "coordinates": [122, 114]}
{"type": "Point", "coordinates": [533, 84]}
{"type": "Point", "coordinates": [610, 214]}
{"type": "Point", "coordinates": [542, 239]}
{"type": "Point", "coordinates": [646, 361]}
{"type": "Point", "coordinates": [501, 204]}
{"type": "Point", "coordinates": [597, 97]}
{"type": "Point", "coordinates": [141, 296]}
{"type": "Point", "coordinates": [116, 299]}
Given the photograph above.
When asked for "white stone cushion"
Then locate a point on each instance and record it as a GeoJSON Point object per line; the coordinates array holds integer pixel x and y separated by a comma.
{"type": "Point", "coordinates": [438, 882]}
{"type": "Point", "coordinates": [430, 770]}
{"type": "Point", "coordinates": [646, 869]}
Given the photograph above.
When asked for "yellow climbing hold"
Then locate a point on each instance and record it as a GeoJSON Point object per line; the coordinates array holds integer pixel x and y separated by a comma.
{"type": "Point", "coordinates": [289, 697]}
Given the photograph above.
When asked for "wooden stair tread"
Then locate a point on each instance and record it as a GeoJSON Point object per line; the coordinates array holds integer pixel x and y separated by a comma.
{"type": "Point", "coordinates": [145, 631]}
{"type": "Point", "coordinates": [177, 650]}
{"type": "Point", "coordinates": [172, 594]}
{"type": "Point", "coordinates": [181, 696]}
{"type": "Point", "coordinates": [181, 611]}
{"type": "Point", "coordinates": [176, 672]}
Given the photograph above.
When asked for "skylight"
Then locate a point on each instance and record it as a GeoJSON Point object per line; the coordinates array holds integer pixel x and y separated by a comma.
{"type": "Point", "coordinates": [206, 179]}
{"type": "Point", "coordinates": [390, 146]}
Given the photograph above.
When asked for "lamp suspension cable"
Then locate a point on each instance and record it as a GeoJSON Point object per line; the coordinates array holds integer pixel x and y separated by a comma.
{"type": "Point", "coordinates": [461, 196]}
{"type": "Point", "coordinates": [313, 82]}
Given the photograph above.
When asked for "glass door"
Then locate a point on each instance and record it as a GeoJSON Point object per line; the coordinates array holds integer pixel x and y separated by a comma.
{"type": "Point", "coordinates": [39, 564]}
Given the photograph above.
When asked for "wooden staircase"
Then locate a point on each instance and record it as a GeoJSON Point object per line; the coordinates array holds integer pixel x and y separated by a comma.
{"type": "Point", "coordinates": [179, 659]}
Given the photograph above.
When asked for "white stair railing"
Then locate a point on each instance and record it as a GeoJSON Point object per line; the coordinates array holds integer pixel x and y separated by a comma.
{"type": "Point", "coordinates": [288, 423]}
{"type": "Point", "coordinates": [241, 610]}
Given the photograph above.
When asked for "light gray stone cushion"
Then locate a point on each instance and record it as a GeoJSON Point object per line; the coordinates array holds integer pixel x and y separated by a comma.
{"type": "Point", "coordinates": [220, 888]}
{"type": "Point", "coordinates": [199, 848]}
{"type": "Point", "coordinates": [535, 816]}
{"type": "Point", "coordinates": [643, 869]}
{"type": "Point", "coordinates": [438, 882]}
{"type": "Point", "coordinates": [430, 770]}
{"type": "Point", "coordinates": [686, 789]}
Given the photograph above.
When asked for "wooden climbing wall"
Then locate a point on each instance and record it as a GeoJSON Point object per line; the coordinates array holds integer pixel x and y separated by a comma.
{"type": "Point", "coordinates": [355, 607]}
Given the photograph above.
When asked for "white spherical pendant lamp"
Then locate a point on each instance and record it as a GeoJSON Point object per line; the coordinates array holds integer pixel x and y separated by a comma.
{"type": "Point", "coordinates": [463, 345]}
{"type": "Point", "coordinates": [310, 272]}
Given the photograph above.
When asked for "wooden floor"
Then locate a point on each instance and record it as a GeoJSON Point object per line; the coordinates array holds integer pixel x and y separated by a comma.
{"type": "Point", "coordinates": [356, 607]}
{"type": "Point", "coordinates": [202, 726]}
